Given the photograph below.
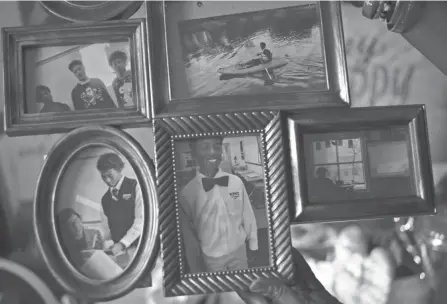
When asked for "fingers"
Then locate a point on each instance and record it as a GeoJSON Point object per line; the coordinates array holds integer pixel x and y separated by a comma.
{"type": "Point", "coordinates": [252, 298]}
{"type": "Point", "coordinates": [277, 291]}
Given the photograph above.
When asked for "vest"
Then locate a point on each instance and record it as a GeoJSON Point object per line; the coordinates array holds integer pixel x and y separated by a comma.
{"type": "Point", "coordinates": [121, 213]}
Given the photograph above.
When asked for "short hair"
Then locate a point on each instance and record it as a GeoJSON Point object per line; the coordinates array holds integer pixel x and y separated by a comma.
{"type": "Point", "coordinates": [262, 44]}
{"type": "Point", "coordinates": [74, 63]}
{"type": "Point", "coordinates": [109, 161]}
{"type": "Point", "coordinates": [117, 55]}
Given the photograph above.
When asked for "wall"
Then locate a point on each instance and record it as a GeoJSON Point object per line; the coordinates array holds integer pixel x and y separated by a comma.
{"type": "Point", "coordinates": [383, 69]}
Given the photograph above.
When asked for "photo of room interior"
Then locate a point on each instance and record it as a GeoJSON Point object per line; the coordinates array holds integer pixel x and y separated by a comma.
{"type": "Point", "coordinates": [241, 156]}
{"type": "Point", "coordinates": [359, 165]}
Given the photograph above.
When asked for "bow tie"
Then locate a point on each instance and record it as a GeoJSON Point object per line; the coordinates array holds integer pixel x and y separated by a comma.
{"type": "Point", "coordinates": [209, 183]}
{"type": "Point", "coordinates": [115, 192]}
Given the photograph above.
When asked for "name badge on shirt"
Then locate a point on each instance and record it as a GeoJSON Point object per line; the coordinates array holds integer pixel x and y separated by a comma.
{"type": "Point", "coordinates": [234, 195]}
{"type": "Point", "coordinates": [127, 196]}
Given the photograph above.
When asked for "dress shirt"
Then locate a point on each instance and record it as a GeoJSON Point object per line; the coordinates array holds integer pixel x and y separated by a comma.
{"type": "Point", "coordinates": [135, 230]}
{"type": "Point", "coordinates": [222, 218]}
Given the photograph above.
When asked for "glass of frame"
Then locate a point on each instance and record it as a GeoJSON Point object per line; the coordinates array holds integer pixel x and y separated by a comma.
{"type": "Point", "coordinates": [59, 78]}
{"type": "Point", "coordinates": [95, 213]}
{"type": "Point", "coordinates": [222, 55]}
{"type": "Point", "coordinates": [218, 185]}
{"type": "Point", "coordinates": [360, 163]}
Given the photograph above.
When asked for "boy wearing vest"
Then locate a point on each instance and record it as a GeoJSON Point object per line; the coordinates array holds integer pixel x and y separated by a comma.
{"type": "Point", "coordinates": [216, 215]}
{"type": "Point", "coordinates": [122, 204]}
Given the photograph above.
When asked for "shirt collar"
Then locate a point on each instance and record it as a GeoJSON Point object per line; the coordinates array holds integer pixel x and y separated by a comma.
{"type": "Point", "coordinates": [200, 175]}
{"type": "Point", "coordinates": [84, 82]}
{"type": "Point", "coordinates": [118, 185]}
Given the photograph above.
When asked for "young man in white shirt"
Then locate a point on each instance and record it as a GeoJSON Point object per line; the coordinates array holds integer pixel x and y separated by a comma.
{"type": "Point", "coordinates": [216, 215]}
{"type": "Point", "coordinates": [122, 205]}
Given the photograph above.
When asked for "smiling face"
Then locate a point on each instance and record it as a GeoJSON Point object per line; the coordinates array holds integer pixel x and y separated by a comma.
{"type": "Point", "coordinates": [208, 152]}
{"type": "Point", "coordinates": [111, 177]}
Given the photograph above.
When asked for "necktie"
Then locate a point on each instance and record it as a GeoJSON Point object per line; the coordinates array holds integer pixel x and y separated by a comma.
{"type": "Point", "coordinates": [209, 183]}
{"type": "Point", "coordinates": [115, 192]}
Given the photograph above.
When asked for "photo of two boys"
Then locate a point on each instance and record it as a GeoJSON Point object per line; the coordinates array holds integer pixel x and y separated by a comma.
{"type": "Point", "coordinates": [222, 210]}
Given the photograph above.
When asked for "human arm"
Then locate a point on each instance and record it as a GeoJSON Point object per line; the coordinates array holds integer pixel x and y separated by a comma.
{"type": "Point", "coordinates": [77, 102]}
{"type": "Point", "coordinates": [249, 220]}
{"type": "Point", "coordinates": [306, 288]}
{"type": "Point", "coordinates": [191, 243]}
{"type": "Point", "coordinates": [106, 96]}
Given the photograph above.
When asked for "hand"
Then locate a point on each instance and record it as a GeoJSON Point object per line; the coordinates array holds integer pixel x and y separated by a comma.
{"type": "Point", "coordinates": [117, 248]}
{"type": "Point", "coordinates": [307, 289]}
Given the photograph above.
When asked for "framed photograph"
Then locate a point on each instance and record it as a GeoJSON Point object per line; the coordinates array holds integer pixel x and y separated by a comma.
{"type": "Point", "coordinates": [95, 213]}
{"type": "Point", "coordinates": [224, 213]}
{"type": "Point", "coordinates": [360, 163]}
{"type": "Point", "coordinates": [61, 77]}
{"type": "Point", "coordinates": [225, 55]}
{"type": "Point", "coordinates": [91, 11]}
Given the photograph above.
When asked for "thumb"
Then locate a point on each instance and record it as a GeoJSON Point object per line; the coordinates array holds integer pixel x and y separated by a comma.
{"type": "Point", "coordinates": [276, 291]}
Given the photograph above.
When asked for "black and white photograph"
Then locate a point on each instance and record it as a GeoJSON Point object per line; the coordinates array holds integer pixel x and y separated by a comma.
{"type": "Point", "coordinates": [222, 203]}
{"type": "Point", "coordinates": [237, 48]}
{"type": "Point", "coordinates": [78, 77]}
{"type": "Point", "coordinates": [99, 213]}
{"type": "Point", "coordinates": [359, 165]}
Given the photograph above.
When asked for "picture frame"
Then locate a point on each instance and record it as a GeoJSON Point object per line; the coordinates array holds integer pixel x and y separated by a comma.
{"type": "Point", "coordinates": [388, 174]}
{"type": "Point", "coordinates": [70, 166]}
{"type": "Point", "coordinates": [46, 59]}
{"type": "Point", "coordinates": [334, 91]}
{"type": "Point", "coordinates": [170, 133]}
{"type": "Point", "coordinates": [97, 11]}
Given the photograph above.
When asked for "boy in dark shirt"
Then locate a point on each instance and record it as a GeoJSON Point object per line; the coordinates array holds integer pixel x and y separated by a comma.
{"type": "Point", "coordinates": [122, 204]}
{"type": "Point", "coordinates": [266, 57]}
{"type": "Point", "coordinates": [43, 95]}
{"type": "Point", "coordinates": [122, 84]}
{"type": "Point", "coordinates": [89, 93]}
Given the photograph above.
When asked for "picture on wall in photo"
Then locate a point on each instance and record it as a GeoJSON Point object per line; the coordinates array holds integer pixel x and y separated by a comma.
{"type": "Point", "coordinates": [99, 213]}
{"type": "Point", "coordinates": [276, 49]}
{"type": "Point", "coordinates": [222, 203]}
{"type": "Point", "coordinates": [78, 77]}
{"type": "Point", "coordinates": [359, 165]}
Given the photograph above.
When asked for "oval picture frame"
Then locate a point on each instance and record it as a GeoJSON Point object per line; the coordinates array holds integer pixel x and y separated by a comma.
{"type": "Point", "coordinates": [86, 11]}
{"type": "Point", "coordinates": [48, 240]}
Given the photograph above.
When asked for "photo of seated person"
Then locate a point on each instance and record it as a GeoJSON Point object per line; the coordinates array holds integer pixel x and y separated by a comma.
{"type": "Point", "coordinates": [323, 187]}
{"type": "Point", "coordinates": [76, 238]}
